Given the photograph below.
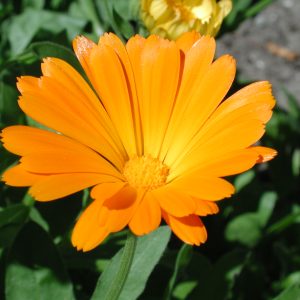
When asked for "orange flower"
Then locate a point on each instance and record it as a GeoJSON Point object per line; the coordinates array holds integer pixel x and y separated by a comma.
{"type": "Point", "coordinates": [155, 146]}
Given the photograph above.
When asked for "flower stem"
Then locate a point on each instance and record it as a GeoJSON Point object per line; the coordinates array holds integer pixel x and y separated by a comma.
{"type": "Point", "coordinates": [124, 268]}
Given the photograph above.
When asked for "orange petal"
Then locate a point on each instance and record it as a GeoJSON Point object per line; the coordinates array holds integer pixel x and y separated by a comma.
{"type": "Point", "coordinates": [147, 216]}
{"type": "Point", "coordinates": [204, 208]}
{"type": "Point", "coordinates": [104, 64]}
{"type": "Point", "coordinates": [17, 176]}
{"type": "Point", "coordinates": [114, 42]}
{"type": "Point", "coordinates": [57, 186]}
{"type": "Point", "coordinates": [160, 69]}
{"type": "Point", "coordinates": [237, 136]}
{"type": "Point", "coordinates": [87, 103]}
{"type": "Point", "coordinates": [65, 161]}
{"type": "Point", "coordinates": [189, 229]}
{"type": "Point", "coordinates": [120, 208]}
{"type": "Point", "coordinates": [56, 107]}
{"type": "Point", "coordinates": [82, 47]}
{"type": "Point", "coordinates": [219, 166]}
{"type": "Point", "coordinates": [255, 93]}
{"type": "Point", "coordinates": [265, 154]}
{"type": "Point", "coordinates": [176, 202]}
{"type": "Point", "coordinates": [187, 40]}
{"type": "Point", "coordinates": [88, 231]}
{"type": "Point", "coordinates": [193, 73]}
{"type": "Point", "coordinates": [202, 101]}
{"type": "Point", "coordinates": [106, 190]}
{"type": "Point", "coordinates": [197, 185]}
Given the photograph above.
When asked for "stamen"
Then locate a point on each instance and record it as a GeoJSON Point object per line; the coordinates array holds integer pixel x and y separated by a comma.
{"type": "Point", "coordinates": [145, 172]}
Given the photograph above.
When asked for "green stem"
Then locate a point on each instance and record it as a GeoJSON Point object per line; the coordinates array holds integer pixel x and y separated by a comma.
{"type": "Point", "coordinates": [124, 268]}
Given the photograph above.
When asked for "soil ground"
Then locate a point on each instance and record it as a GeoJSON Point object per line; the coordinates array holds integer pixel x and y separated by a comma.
{"type": "Point", "coordinates": [267, 47]}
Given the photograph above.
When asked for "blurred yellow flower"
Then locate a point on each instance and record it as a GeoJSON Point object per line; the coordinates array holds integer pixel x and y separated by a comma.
{"type": "Point", "coordinates": [171, 18]}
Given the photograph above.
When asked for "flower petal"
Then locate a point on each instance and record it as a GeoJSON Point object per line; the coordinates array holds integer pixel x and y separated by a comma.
{"type": "Point", "coordinates": [197, 185]}
{"type": "Point", "coordinates": [120, 208]}
{"type": "Point", "coordinates": [187, 40]}
{"type": "Point", "coordinates": [58, 107]}
{"type": "Point", "coordinates": [174, 201]}
{"type": "Point", "coordinates": [160, 70]}
{"type": "Point", "coordinates": [222, 165]}
{"type": "Point", "coordinates": [202, 100]}
{"type": "Point", "coordinates": [189, 229]}
{"type": "Point", "coordinates": [204, 208]}
{"type": "Point", "coordinates": [57, 186]}
{"type": "Point", "coordinates": [89, 232]}
{"type": "Point", "coordinates": [104, 64]}
{"type": "Point", "coordinates": [17, 176]}
{"type": "Point", "coordinates": [106, 190]}
{"type": "Point", "coordinates": [197, 61]}
{"type": "Point", "coordinates": [147, 216]}
{"type": "Point", "coordinates": [48, 152]}
{"type": "Point", "coordinates": [229, 139]}
{"type": "Point", "coordinates": [114, 42]}
{"type": "Point", "coordinates": [265, 154]}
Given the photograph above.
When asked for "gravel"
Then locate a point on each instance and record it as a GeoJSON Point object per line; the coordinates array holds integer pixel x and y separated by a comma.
{"type": "Point", "coordinates": [267, 47]}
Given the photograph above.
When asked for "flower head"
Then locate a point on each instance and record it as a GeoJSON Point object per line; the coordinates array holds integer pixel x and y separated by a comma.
{"type": "Point", "coordinates": [171, 18]}
{"type": "Point", "coordinates": [153, 137]}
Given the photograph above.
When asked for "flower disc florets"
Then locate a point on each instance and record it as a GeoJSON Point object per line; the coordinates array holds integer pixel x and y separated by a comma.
{"type": "Point", "coordinates": [145, 172]}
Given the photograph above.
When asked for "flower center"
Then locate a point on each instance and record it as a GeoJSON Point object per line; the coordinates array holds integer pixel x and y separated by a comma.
{"type": "Point", "coordinates": [145, 172]}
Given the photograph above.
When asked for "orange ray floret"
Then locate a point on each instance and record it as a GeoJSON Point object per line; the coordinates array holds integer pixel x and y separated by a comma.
{"type": "Point", "coordinates": [154, 137]}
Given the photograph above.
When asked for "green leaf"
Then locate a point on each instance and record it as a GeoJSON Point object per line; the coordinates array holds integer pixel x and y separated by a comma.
{"type": "Point", "coordinates": [39, 4]}
{"type": "Point", "coordinates": [183, 289]}
{"type": "Point", "coordinates": [9, 110]}
{"type": "Point", "coordinates": [292, 293]}
{"type": "Point", "coordinates": [13, 214]}
{"type": "Point", "coordinates": [296, 162]}
{"type": "Point", "coordinates": [266, 207]}
{"type": "Point", "coordinates": [25, 26]}
{"type": "Point", "coordinates": [217, 282]}
{"type": "Point", "coordinates": [149, 250]}
{"type": "Point", "coordinates": [291, 280]}
{"type": "Point", "coordinates": [49, 49]}
{"type": "Point", "coordinates": [294, 108]}
{"type": "Point", "coordinates": [12, 219]}
{"type": "Point", "coordinates": [128, 9]}
{"type": "Point", "coordinates": [243, 180]}
{"type": "Point", "coordinates": [183, 258]}
{"type": "Point", "coordinates": [34, 269]}
{"type": "Point", "coordinates": [245, 229]}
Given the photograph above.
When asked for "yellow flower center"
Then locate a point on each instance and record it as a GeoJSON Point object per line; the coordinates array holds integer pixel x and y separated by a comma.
{"type": "Point", "coordinates": [145, 172]}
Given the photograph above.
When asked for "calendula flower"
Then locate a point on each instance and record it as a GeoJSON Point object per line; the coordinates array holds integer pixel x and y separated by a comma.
{"type": "Point", "coordinates": [152, 136]}
{"type": "Point", "coordinates": [171, 18]}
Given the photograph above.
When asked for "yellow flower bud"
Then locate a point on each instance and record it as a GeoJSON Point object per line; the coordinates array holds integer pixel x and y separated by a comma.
{"type": "Point", "coordinates": [171, 18]}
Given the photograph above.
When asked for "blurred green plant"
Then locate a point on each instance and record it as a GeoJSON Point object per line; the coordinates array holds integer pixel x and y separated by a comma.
{"type": "Point", "coordinates": [253, 251]}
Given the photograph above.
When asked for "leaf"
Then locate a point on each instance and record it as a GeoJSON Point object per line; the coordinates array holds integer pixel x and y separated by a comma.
{"type": "Point", "coordinates": [49, 49]}
{"type": "Point", "coordinates": [25, 26]}
{"type": "Point", "coordinates": [243, 180]}
{"type": "Point", "coordinates": [216, 282]}
{"type": "Point", "coordinates": [296, 162]}
{"type": "Point", "coordinates": [34, 269]}
{"type": "Point", "coordinates": [39, 4]}
{"type": "Point", "coordinates": [9, 110]}
{"type": "Point", "coordinates": [13, 214]}
{"type": "Point", "coordinates": [245, 229]}
{"type": "Point", "coordinates": [292, 293]}
{"type": "Point", "coordinates": [183, 289]}
{"type": "Point", "coordinates": [128, 9]}
{"type": "Point", "coordinates": [12, 219]}
{"type": "Point", "coordinates": [183, 258]}
{"type": "Point", "coordinates": [149, 250]}
{"type": "Point", "coordinates": [266, 207]}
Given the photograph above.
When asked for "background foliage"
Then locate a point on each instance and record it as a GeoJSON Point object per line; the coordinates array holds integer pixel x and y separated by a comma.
{"type": "Point", "coordinates": [253, 250]}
